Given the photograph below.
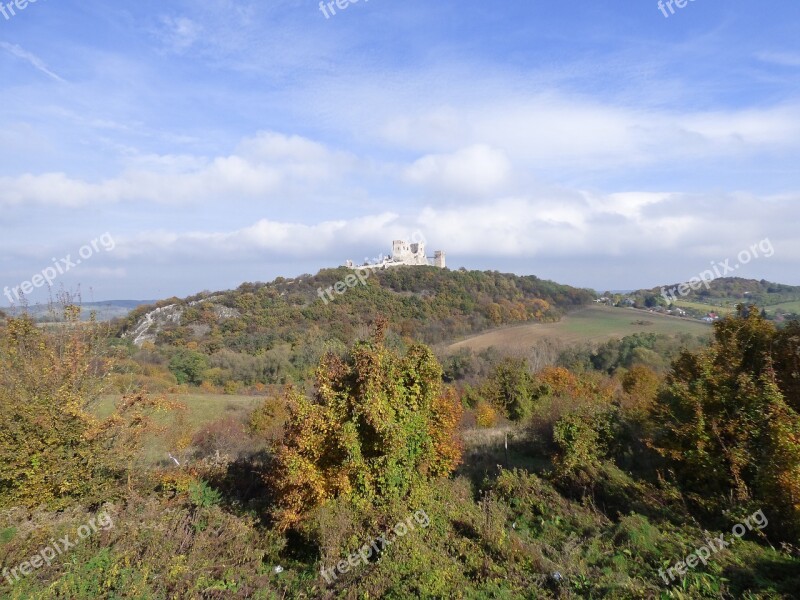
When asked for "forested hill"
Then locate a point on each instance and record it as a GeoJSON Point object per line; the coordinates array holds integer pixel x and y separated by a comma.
{"type": "Point", "coordinates": [736, 288]}
{"type": "Point", "coordinates": [423, 303]}
{"type": "Point", "coordinates": [776, 299]}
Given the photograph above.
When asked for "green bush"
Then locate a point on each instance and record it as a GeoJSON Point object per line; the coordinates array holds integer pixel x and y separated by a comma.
{"type": "Point", "coordinates": [188, 366]}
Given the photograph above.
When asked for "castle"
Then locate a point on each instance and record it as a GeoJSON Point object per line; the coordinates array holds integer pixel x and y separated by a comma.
{"type": "Point", "coordinates": [404, 254]}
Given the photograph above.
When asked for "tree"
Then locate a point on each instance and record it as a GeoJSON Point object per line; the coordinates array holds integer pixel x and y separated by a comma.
{"type": "Point", "coordinates": [52, 447]}
{"type": "Point", "coordinates": [512, 388]}
{"type": "Point", "coordinates": [378, 427]}
{"type": "Point", "coordinates": [786, 349]}
{"type": "Point", "coordinates": [641, 387]}
{"type": "Point", "coordinates": [188, 366]}
{"type": "Point", "coordinates": [726, 429]}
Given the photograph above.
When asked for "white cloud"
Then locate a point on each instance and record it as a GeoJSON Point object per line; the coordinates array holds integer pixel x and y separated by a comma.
{"type": "Point", "coordinates": [31, 58]}
{"type": "Point", "coordinates": [561, 224]}
{"type": "Point", "coordinates": [631, 239]}
{"type": "Point", "coordinates": [749, 129]}
{"type": "Point", "coordinates": [566, 133]}
{"type": "Point", "coordinates": [559, 132]}
{"type": "Point", "coordinates": [276, 238]}
{"type": "Point", "coordinates": [180, 33]}
{"type": "Point", "coordinates": [477, 169]}
{"type": "Point", "coordinates": [263, 167]}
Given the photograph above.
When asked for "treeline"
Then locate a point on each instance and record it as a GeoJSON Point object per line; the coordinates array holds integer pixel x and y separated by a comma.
{"type": "Point", "coordinates": [277, 332]}
{"type": "Point", "coordinates": [651, 350]}
{"type": "Point", "coordinates": [720, 291]}
{"type": "Point", "coordinates": [655, 351]}
{"type": "Point", "coordinates": [723, 422]}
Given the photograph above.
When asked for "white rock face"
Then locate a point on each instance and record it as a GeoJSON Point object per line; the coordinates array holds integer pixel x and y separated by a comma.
{"type": "Point", "coordinates": [153, 322]}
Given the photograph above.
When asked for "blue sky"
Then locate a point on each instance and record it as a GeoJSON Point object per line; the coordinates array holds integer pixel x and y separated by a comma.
{"type": "Point", "coordinates": [594, 143]}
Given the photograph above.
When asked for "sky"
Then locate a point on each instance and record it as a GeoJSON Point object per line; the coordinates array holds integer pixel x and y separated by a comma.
{"type": "Point", "coordinates": [156, 149]}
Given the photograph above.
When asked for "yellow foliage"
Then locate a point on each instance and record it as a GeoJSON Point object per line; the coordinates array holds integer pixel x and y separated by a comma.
{"type": "Point", "coordinates": [641, 386]}
{"type": "Point", "coordinates": [52, 447]}
{"type": "Point", "coordinates": [378, 428]}
{"type": "Point", "coordinates": [485, 415]}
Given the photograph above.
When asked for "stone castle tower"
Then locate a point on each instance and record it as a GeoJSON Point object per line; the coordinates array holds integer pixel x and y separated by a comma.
{"type": "Point", "coordinates": [409, 254]}
{"type": "Point", "coordinates": [404, 254]}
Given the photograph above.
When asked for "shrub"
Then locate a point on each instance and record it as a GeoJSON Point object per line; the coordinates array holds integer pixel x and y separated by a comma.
{"type": "Point", "coordinates": [225, 436]}
{"type": "Point", "coordinates": [726, 429]}
{"type": "Point", "coordinates": [52, 447]}
{"type": "Point", "coordinates": [641, 386]}
{"type": "Point", "coordinates": [203, 495]}
{"type": "Point", "coordinates": [232, 388]}
{"type": "Point", "coordinates": [188, 366]}
{"type": "Point", "coordinates": [512, 388]}
{"type": "Point", "coordinates": [268, 418]}
{"type": "Point", "coordinates": [485, 415]}
{"type": "Point", "coordinates": [378, 428]}
{"type": "Point", "coordinates": [578, 443]}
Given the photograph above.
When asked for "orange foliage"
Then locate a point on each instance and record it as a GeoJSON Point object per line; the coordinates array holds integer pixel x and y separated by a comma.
{"type": "Point", "coordinates": [378, 428]}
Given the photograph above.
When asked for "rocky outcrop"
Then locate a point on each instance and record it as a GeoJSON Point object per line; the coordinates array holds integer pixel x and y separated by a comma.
{"type": "Point", "coordinates": [153, 322]}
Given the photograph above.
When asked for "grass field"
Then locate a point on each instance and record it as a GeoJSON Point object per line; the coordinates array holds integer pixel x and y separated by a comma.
{"type": "Point", "coordinates": [718, 308]}
{"type": "Point", "coordinates": [729, 307]}
{"type": "Point", "coordinates": [786, 307]}
{"type": "Point", "coordinates": [592, 324]}
{"type": "Point", "coordinates": [201, 409]}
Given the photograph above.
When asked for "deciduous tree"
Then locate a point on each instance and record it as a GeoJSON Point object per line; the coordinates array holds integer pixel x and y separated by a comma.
{"type": "Point", "coordinates": [378, 427]}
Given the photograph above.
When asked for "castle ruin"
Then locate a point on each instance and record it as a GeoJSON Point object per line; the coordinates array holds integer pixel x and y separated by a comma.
{"type": "Point", "coordinates": [404, 254]}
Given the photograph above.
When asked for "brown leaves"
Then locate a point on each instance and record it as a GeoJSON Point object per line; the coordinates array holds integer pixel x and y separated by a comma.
{"type": "Point", "coordinates": [725, 425]}
{"type": "Point", "coordinates": [378, 427]}
{"type": "Point", "coordinates": [52, 446]}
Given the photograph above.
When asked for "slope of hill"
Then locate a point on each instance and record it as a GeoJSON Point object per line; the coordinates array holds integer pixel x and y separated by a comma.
{"type": "Point", "coordinates": [268, 333]}
{"type": "Point", "coordinates": [722, 295]}
{"type": "Point", "coordinates": [425, 303]}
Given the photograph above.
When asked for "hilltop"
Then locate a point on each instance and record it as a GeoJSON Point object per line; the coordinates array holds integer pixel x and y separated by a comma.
{"type": "Point", "coordinates": [424, 303]}
{"type": "Point", "coordinates": [286, 324]}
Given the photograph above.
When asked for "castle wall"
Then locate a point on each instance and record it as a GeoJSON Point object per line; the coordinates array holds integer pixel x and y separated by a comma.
{"type": "Point", "coordinates": [405, 254]}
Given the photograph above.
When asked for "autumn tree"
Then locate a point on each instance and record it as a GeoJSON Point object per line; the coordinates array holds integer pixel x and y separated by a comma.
{"type": "Point", "coordinates": [53, 448]}
{"type": "Point", "coordinates": [512, 388]}
{"type": "Point", "coordinates": [640, 384]}
{"type": "Point", "coordinates": [378, 427]}
{"type": "Point", "coordinates": [726, 429]}
{"type": "Point", "coordinates": [786, 350]}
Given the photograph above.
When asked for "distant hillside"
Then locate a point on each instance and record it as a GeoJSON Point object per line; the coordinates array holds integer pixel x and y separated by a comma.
{"type": "Point", "coordinates": [103, 311]}
{"type": "Point", "coordinates": [287, 323]}
{"type": "Point", "coordinates": [778, 300]}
